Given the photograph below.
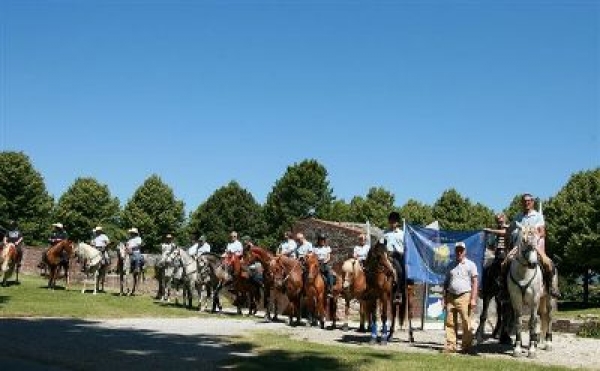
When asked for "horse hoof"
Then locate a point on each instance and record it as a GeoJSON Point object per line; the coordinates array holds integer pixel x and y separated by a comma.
{"type": "Point", "coordinates": [95, 293]}
{"type": "Point", "coordinates": [532, 355]}
{"type": "Point", "coordinates": [83, 291]}
{"type": "Point", "coordinates": [517, 353]}
{"type": "Point", "coordinates": [548, 347]}
{"type": "Point", "coordinates": [384, 342]}
{"type": "Point", "coordinates": [345, 327]}
{"type": "Point", "coordinates": [373, 341]}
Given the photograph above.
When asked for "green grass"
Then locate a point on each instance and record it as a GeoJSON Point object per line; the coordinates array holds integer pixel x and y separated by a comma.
{"type": "Point", "coordinates": [575, 313]}
{"type": "Point", "coordinates": [279, 352]}
{"type": "Point", "coordinates": [32, 299]}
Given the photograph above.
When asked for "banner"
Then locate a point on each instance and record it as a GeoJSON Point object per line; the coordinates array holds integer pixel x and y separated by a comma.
{"type": "Point", "coordinates": [429, 252]}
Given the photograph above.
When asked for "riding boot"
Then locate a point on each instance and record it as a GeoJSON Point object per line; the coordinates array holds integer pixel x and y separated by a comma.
{"type": "Point", "coordinates": [549, 282]}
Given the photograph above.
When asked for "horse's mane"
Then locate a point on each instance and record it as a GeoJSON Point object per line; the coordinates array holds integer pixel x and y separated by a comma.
{"type": "Point", "coordinates": [261, 251]}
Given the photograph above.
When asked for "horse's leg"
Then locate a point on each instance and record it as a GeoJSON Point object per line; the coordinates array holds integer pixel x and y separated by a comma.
{"type": "Point", "coordinates": [373, 318]}
{"type": "Point", "coordinates": [346, 311]}
{"type": "Point", "coordinates": [486, 298]}
{"type": "Point", "coordinates": [387, 299]}
{"type": "Point", "coordinates": [518, 320]}
{"type": "Point", "coordinates": [498, 326]}
{"type": "Point", "coordinates": [534, 330]}
{"type": "Point", "coordinates": [547, 322]}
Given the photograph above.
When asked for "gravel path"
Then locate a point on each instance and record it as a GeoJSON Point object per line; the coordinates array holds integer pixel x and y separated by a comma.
{"type": "Point", "coordinates": [201, 343]}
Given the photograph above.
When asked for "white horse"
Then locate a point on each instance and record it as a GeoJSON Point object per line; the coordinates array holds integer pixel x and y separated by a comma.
{"type": "Point", "coordinates": [94, 266]}
{"type": "Point", "coordinates": [123, 268]}
{"type": "Point", "coordinates": [526, 289]}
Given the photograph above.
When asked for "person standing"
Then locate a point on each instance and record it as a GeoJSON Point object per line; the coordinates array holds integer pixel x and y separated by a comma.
{"type": "Point", "coordinates": [460, 298]}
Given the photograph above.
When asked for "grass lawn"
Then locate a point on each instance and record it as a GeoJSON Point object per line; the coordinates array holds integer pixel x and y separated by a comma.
{"type": "Point", "coordinates": [277, 352]}
{"type": "Point", "coordinates": [573, 310]}
{"type": "Point", "coordinates": [32, 299]}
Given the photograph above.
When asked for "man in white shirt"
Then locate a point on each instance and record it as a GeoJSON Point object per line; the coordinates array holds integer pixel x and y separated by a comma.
{"type": "Point", "coordinates": [234, 247]}
{"type": "Point", "coordinates": [304, 246]}
{"type": "Point", "coordinates": [101, 242]}
{"type": "Point", "coordinates": [288, 246]}
{"type": "Point", "coordinates": [203, 246]}
{"type": "Point", "coordinates": [134, 247]}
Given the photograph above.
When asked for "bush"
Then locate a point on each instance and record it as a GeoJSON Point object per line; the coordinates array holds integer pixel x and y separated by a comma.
{"type": "Point", "coordinates": [589, 329]}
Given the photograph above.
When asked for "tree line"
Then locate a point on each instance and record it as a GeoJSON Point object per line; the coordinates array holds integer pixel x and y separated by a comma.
{"type": "Point", "coordinates": [572, 215]}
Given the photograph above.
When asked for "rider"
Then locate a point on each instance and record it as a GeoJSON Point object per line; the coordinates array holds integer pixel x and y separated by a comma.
{"type": "Point", "coordinates": [532, 218]}
{"type": "Point", "coordinates": [58, 234]}
{"type": "Point", "coordinates": [14, 236]}
{"type": "Point", "coordinates": [323, 252]}
{"type": "Point", "coordinates": [288, 246]}
{"type": "Point", "coordinates": [134, 247]}
{"type": "Point", "coordinates": [394, 237]}
{"type": "Point", "coordinates": [253, 269]}
{"type": "Point", "coordinates": [499, 241]}
{"type": "Point", "coordinates": [100, 242]}
{"type": "Point", "coordinates": [234, 247]}
{"type": "Point", "coordinates": [361, 250]}
{"type": "Point", "coordinates": [203, 246]}
{"type": "Point", "coordinates": [303, 247]}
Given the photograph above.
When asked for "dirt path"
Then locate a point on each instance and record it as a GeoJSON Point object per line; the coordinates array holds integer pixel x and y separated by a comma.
{"type": "Point", "coordinates": [201, 343]}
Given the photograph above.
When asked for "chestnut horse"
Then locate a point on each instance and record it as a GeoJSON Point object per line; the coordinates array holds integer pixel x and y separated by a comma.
{"type": "Point", "coordinates": [354, 287]}
{"type": "Point", "coordinates": [379, 289]}
{"type": "Point", "coordinates": [8, 261]}
{"type": "Point", "coordinates": [314, 290]}
{"type": "Point", "coordinates": [53, 259]}
{"type": "Point", "coordinates": [258, 254]}
{"type": "Point", "coordinates": [287, 278]}
{"type": "Point", "coordinates": [243, 287]}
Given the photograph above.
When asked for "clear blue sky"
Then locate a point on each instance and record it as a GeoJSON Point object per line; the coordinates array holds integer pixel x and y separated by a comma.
{"type": "Point", "coordinates": [417, 97]}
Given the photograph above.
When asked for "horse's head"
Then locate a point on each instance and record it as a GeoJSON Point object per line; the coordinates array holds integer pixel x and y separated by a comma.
{"type": "Point", "coordinates": [527, 239]}
{"type": "Point", "coordinates": [312, 266]}
{"type": "Point", "coordinates": [349, 269]}
{"type": "Point", "coordinates": [277, 271]}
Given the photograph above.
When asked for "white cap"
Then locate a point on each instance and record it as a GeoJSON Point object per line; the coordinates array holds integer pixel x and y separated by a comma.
{"type": "Point", "coordinates": [59, 225]}
{"type": "Point", "coordinates": [98, 228]}
{"type": "Point", "coordinates": [133, 230]}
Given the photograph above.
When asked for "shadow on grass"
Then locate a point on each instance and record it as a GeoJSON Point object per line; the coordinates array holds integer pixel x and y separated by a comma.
{"type": "Point", "coordinates": [4, 299]}
{"type": "Point", "coordinates": [290, 361]}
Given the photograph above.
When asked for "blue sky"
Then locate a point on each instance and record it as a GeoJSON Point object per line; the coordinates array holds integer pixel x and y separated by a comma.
{"type": "Point", "coordinates": [490, 98]}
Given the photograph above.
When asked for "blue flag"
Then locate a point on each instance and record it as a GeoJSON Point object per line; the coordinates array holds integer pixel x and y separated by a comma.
{"type": "Point", "coordinates": [430, 252]}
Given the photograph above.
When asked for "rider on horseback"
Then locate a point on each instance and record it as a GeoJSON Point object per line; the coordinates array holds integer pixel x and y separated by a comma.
{"type": "Point", "coordinates": [14, 236]}
{"type": "Point", "coordinates": [100, 242]}
{"type": "Point", "coordinates": [199, 247]}
{"type": "Point", "coordinates": [134, 247]}
{"type": "Point", "coordinates": [361, 250]}
{"type": "Point", "coordinates": [288, 246]}
{"type": "Point", "coordinates": [58, 234]}
{"type": "Point", "coordinates": [324, 255]}
{"type": "Point", "coordinates": [394, 237]}
{"type": "Point", "coordinates": [254, 272]}
{"type": "Point", "coordinates": [529, 217]}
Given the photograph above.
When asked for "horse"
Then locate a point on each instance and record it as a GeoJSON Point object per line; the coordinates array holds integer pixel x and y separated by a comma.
{"type": "Point", "coordinates": [287, 278]}
{"type": "Point", "coordinates": [314, 291]}
{"type": "Point", "coordinates": [219, 277]}
{"type": "Point", "coordinates": [379, 289]}
{"type": "Point", "coordinates": [491, 290]}
{"type": "Point", "coordinates": [354, 287]}
{"type": "Point", "coordinates": [135, 267]}
{"type": "Point", "coordinates": [8, 262]}
{"type": "Point", "coordinates": [53, 258]}
{"type": "Point", "coordinates": [123, 269]}
{"type": "Point", "coordinates": [204, 281]}
{"type": "Point", "coordinates": [95, 265]}
{"type": "Point", "coordinates": [258, 254]}
{"type": "Point", "coordinates": [243, 286]}
{"type": "Point", "coordinates": [402, 304]}
{"type": "Point", "coordinates": [526, 288]}
{"type": "Point", "coordinates": [185, 273]}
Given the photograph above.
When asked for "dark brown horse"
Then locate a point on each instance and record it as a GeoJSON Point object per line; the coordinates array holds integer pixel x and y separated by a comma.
{"type": "Point", "coordinates": [258, 254]}
{"type": "Point", "coordinates": [287, 278]}
{"type": "Point", "coordinates": [378, 295]}
{"type": "Point", "coordinates": [402, 303]}
{"type": "Point", "coordinates": [243, 287]}
{"type": "Point", "coordinates": [53, 258]}
{"type": "Point", "coordinates": [314, 290]}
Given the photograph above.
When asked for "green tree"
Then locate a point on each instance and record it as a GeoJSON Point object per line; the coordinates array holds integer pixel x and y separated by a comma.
{"type": "Point", "coordinates": [301, 191]}
{"type": "Point", "coordinates": [455, 212]}
{"type": "Point", "coordinates": [230, 208]}
{"type": "Point", "coordinates": [24, 198]}
{"type": "Point", "coordinates": [155, 211]}
{"type": "Point", "coordinates": [339, 211]}
{"type": "Point", "coordinates": [415, 212]}
{"type": "Point", "coordinates": [85, 205]}
{"type": "Point", "coordinates": [573, 225]}
{"type": "Point", "coordinates": [375, 207]}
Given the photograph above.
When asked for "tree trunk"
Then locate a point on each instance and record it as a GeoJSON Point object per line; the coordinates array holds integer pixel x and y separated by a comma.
{"type": "Point", "coordinates": [586, 286]}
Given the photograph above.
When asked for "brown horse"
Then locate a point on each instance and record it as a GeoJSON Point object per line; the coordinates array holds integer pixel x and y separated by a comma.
{"type": "Point", "coordinates": [243, 287]}
{"type": "Point", "coordinates": [379, 289]}
{"type": "Point", "coordinates": [354, 287]}
{"type": "Point", "coordinates": [258, 254]}
{"type": "Point", "coordinates": [53, 259]}
{"type": "Point", "coordinates": [8, 261]}
{"type": "Point", "coordinates": [314, 291]}
{"type": "Point", "coordinates": [287, 278]}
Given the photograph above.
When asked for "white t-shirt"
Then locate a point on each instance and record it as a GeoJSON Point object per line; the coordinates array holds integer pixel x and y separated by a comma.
{"type": "Point", "coordinates": [361, 252]}
{"type": "Point", "coordinates": [205, 248]}
{"type": "Point", "coordinates": [193, 250]}
{"type": "Point", "coordinates": [101, 241]}
{"type": "Point", "coordinates": [395, 240]}
{"type": "Point", "coordinates": [304, 249]}
{"type": "Point", "coordinates": [235, 247]}
{"type": "Point", "coordinates": [134, 243]}
{"type": "Point", "coordinates": [288, 248]}
{"type": "Point", "coordinates": [322, 252]}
